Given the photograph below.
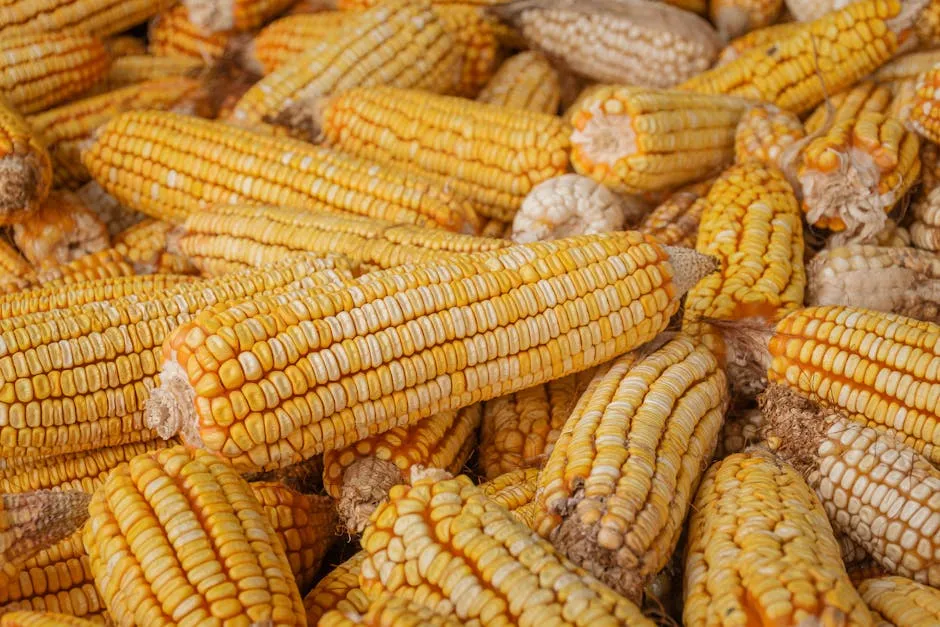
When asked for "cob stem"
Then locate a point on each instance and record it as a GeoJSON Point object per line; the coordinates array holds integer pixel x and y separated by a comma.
{"type": "Point", "coordinates": [170, 409]}
{"type": "Point", "coordinates": [689, 267]}
{"type": "Point", "coordinates": [366, 484]}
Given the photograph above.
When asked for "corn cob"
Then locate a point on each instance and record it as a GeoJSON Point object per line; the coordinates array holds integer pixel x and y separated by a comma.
{"type": "Point", "coordinates": [91, 390]}
{"type": "Point", "coordinates": [253, 236]}
{"type": "Point", "coordinates": [925, 227]}
{"type": "Point", "coordinates": [333, 406]}
{"type": "Point", "coordinates": [99, 18]}
{"type": "Point", "coordinates": [140, 68]}
{"type": "Point", "coordinates": [39, 70]}
{"type": "Point", "coordinates": [924, 113]}
{"type": "Point", "coordinates": [906, 68]}
{"type": "Point", "coordinates": [509, 151]}
{"type": "Point", "coordinates": [387, 610]}
{"type": "Point", "coordinates": [764, 134]}
{"type": "Point", "coordinates": [401, 43]}
{"type": "Point", "coordinates": [676, 220]}
{"type": "Point", "coordinates": [874, 366]}
{"type": "Point", "coordinates": [15, 273]}
{"type": "Point", "coordinates": [107, 264]}
{"type": "Point", "coordinates": [338, 590]}
{"type": "Point", "coordinates": [618, 41]}
{"type": "Point", "coordinates": [124, 46]}
{"type": "Point", "coordinates": [896, 280]}
{"type": "Point", "coordinates": [739, 431]}
{"type": "Point", "coordinates": [495, 229]}
{"type": "Point", "coordinates": [863, 570]}
{"type": "Point", "coordinates": [864, 479]}
{"type": "Point", "coordinates": [42, 619]}
{"type": "Point", "coordinates": [237, 15]}
{"type": "Point", "coordinates": [525, 81]}
{"type": "Point", "coordinates": [896, 601]}
{"type": "Point", "coordinates": [116, 216]}
{"type": "Point", "coordinates": [751, 222]}
{"type": "Point", "coordinates": [928, 25]}
{"type": "Point", "coordinates": [474, 32]}
{"type": "Point", "coordinates": [825, 56]}
{"type": "Point", "coordinates": [807, 10]}
{"type": "Point", "coordinates": [520, 429]}
{"type": "Point", "coordinates": [636, 140]}
{"type": "Point", "coordinates": [753, 520]}
{"type": "Point", "coordinates": [734, 18]}
{"type": "Point", "coordinates": [145, 246]}
{"type": "Point", "coordinates": [759, 38]}
{"type": "Point", "coordinates": [359, 476]}
{"type": "Point", "coordinates": [610, 496]}
{"type": "Point", "coordinates": [515, 490]}
{"type": "Point", "coordinates": [289, 36]}
{"type": "Point", "coordinates": [202, 508]}
{"type": "Point", "coordinates": [572, 204]}
{"type": "Point", "coordinates": [25, 167]}
{"type": "Point", "coordinates": [61, 231]}
{"type": "Point", "coordinates": [304, 524]}
{"type": "Point", "coordinates": [172, 34]}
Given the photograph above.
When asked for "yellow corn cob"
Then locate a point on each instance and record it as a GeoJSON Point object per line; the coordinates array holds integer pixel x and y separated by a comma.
{"type": "Point", "coordinates": [124, 46]}
{"type": "Point", "coordinates": [254, 236]}
{"type": "Point", "coordinates": [520, 429]}
{"type": "Point", "coordinates": [524, 81]}
{"type": "Point", "coordinates": [116, 216]}
{"type": "Point", "coordinates": [65, 128]}
{"type": "Point", "coordinates": [515, 490]}
{"type": "Point", "coordinates": [338, 590]}
{"type": "Point", "coordinates": [98, 17]}
{"type": "Point", "coordinates": [877, 367]}
{"type": "Point", "coordinates": [387, 610]}
{"type": "Point", "coordinates": [924, 112]}
{"type": "Point", "coordinates": [140, 68]}
{"type": "Point", "coordinates": [676, 220]}
{"type": "Point", "coordinates": [864, 479]}
{"type": "Point", "coordinates": [896, 601]}
{"type": "Point", "coordinates": [475, 33]}
{"type": "Point", "coordinates": [145, 246]}
{"type": "Point", "coordinates": [42, 619]}
{"type": "Point", "coordinates": [905, 281]}
{"type": "Point", "coordinates": [824, 57]}
{"type": "Point", "coordinates": [906, 68]}
{"type": "Point", "coordinates": [401, 43]}
{"type": "Point", "coordinates": [237, 15]}
{"type": "Point", "coordinates": [490, 154]}
{"type": "Point", "coordinates": [15, 272]}
{"type": "Point", "coordinates": [304, 524]}
{"type": "Point", "coordinates": [359, 476]}
{"type": "Point", "coordinates": [39, 70]}
{"type": "Point", "coordinates": [757, 528]}
{"type": "Point", "coordinates": [637, 140]}
{"type": "Point", "coordinates": [196, 163]}
{"type": "Point", "coordinates": [764, 134]}
{"type": "Point", "coordinates": [621, 477]}
{"type": "Point", "coordinates": [762, 37]}
{"type": "Point", "coordinates": [289, 36]}
{"type": "Point", "coordinates": [751, 222]}
{"type": "Point", "coordinates": [618, 41]}
{"type": "Point", "coordinates": [207, 393]}
{"type": "Point", "coordinates": [928, 25]}
{"type": "Point", "coordinates": [924, 229]}
{"type": "Point", "coordinates": [107, 264]}
{"type": "Point", "coordinates": [495, 228]}
{"type": "Point", "coordinates": [734, 18]}
{"type": "Point", "coordinates": [172, 34]}
{"type": "Point", "coordinates": [202, 507]}
{"type": "Point", "coordinates": [91, 390]}
{"type": "Point", "coordinates": [25, 167]}
{"type": "Point", "coordinates": [740, 430]}
{"type": "Point", "coordinates": [63, 230]}
{"type": "Point", "coordinates": [463, 553]}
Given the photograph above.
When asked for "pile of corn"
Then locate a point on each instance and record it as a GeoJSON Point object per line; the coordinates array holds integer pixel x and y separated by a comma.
{"type": "Point", "coordinates": [442, 312]}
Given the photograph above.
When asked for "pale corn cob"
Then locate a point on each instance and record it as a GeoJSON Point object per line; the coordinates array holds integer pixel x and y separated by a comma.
{"type": "Point", "coordinates": [289, 36]}
{"type": "Point", "coordinates": [27, 618]}
{"type": "Point", "coordinates": [877, 367]}
{"type": "Point", "coordinates": [906, 68]}
{"type": "Point", "coordinates": [809, 10]}
{"type": "Point", "coordinates": [924, 113]}
{"type": "Point", "coordinates": [107, 264]}
{"type": "Point", "coordinates": [925, 227]}
{"type": "Point", "coordinates": [515, 490]}
{"type": "Point", "coordinates": [124, 46]}
{"type": "Point", "coordinates": [15, 272]}
{"type": "Point", "coordinates": [757, 524]}
{"type": "Point", "coordinates": [207, 399]}
{"type": "Point", "coordinates": [572, 204]}
{"type": "Point", "coordinates": [401, 43]}
{"type": "Point", "coordinates": [474, 32]}
{"type": "Point", "coordinates": [144, 245]}
{"type": "Point", "coordinates": [237, 15]}
{"type": "Point", "coordinates": [892, 235]}
{"type": "Point", "coordinates": [39, 70]}
{"type": "Point", "coordinates": [98, 17]}
{"type": "Point", "coordinates": [65, 128]}
{"type": "Point", "coordinates": [495, 228]}
{"type": "Point", "coordinates": [387, 610]}
{"type": "Point", "coordinates": [765, 133]}
{"type": "Point", "coordinates": [676, 220]}
{"type": "Point", "coordinates": [824, 57]}
{"type": "Point", "coordinates": [617, 41]}
{"type": "Point", "coordinates": [486, 540]}
{"type": "Point", "coordinates": [305, 524]}
{"type": "Point", "coordinates": [172, 34]}
{"type": "Point", "coordinates": [859, 168]}
{"type": "Point", "coordinates": [760, 38]}
{"type": "Point", "coordinates": [253, 236]}
{"type": "Point", "coordinates": [524, 81]}
{"type": "Point", "coordinates": [359, 476]}
{"type": "Point", "coordinates": [905, 281]}
{"type": "Point", "coordinates": [619, 481]}
{"type": "Point", "coordinates": [734, 18]}
{"type": "Point", "coordinates": [520, 429]}
{"type": "Point", "coordinates": [25, 166]}
{"type": "Point", "coordinates": [864, 478]}
{"type": "Point", "coordinates": [202, 508]}
{"type": "Point", "coordinates": [739, 431]}
{"type": "Point", "coordinates": [247, 167]}
{"type": "Point", "coordinates": [636, 140]}
{"type": "Point", "coordinates": [489, 154]}
{"type": "Point", "coordinates": [101, 359]}
{"type": "Point", "coordinates": [896, 601]}
{"type": "Point", "coordinates": [751, 222]}
{"type": "Point", "coordinates": [62, 230]}
{"type": "Point", "coordinates": [147, 67]}
{"type": "Point", "coordinates": [116, 216]}
{"type": "Point", "coordinates": [338, 590]}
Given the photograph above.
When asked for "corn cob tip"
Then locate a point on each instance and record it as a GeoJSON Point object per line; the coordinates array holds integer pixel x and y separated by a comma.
{"type": "Point", "coordinates": [793, 426]}
{"type": "Point", "coordinates": [171, 407]}
{"type": "Point", "coordinates": [304, 116]}
{"type": "Point", "coordinates": [19, 183]}
{"type": "Point", "coordinates": [366, 484]}
{"type": "Point", "coordinates": [689, 267]}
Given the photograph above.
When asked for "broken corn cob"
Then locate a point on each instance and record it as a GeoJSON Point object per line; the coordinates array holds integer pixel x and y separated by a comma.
{"type": "Point", "coordinates": [896, 601]}
{"type": "Point", "coordinates": [93, 17]}
{"type": "Point", "coordinates": [106, 264]}
{"type": "Point", "coordinates": [25, 167]}
{"type": "Point", "coordinates": [524, 81]}
{"type": "Point", "coordinates": [675, 222]}
{"type": "Point", "coordinates": [338, 590]}
{"type": "Point", "coordinates": [172, 34]}
{"type": "Point", "coordinates": [62, 230]}
{"type": "Point", "coordinates": [289, 36]}
{"type": "Point", "coordinates": [636, 140]}
{"type": "Point", "coordinates": [118, 217]}
{"type": "Point", "coordinates": [764, 134]}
